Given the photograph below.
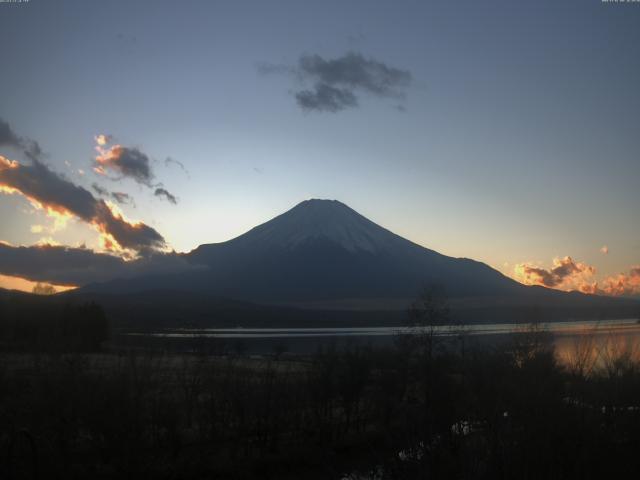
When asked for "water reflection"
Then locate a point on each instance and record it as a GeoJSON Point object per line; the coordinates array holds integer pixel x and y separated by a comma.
{"type": "Point", "coordinates": [599, 348]}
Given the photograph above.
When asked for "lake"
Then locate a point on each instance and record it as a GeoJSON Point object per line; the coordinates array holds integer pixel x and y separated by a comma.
{"type": "Point", "coordinates": [570, 337]}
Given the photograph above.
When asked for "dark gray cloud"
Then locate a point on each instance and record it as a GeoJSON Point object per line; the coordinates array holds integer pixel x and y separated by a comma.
{"type": "Point", "coordinates": [120, 197]}
{"type": "Point", "coordinates": [39, 183]}
{"type": "Point", "coordinates": [81, 266]}
{"type": "Point", "coordinates": [130, 163]}
{"type": "Point", "coordinates": [326, 98]}
{"type": "Point", "coordinates": [161, 192]}
{"type": "Point", "coordinates": [100, 190]}
{"type": "Point", "coordinates": [337, 81]}
{"type": "Point", "coordinates": [357, 72]}
{"type": "Point", "coordinates": [126, 162]}
{"type": "Point", "coordinates": [9, 138]}
{"type": "Point", "coordinates": [55, 193]}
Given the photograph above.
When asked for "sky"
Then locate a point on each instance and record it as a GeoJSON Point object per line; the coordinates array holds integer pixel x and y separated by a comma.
{"type": "Point", "coordinates": [507, 132]}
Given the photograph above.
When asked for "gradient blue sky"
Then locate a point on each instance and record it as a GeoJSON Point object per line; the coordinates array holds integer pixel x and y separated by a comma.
{"type": "Point", "coordinates": [520, 140]}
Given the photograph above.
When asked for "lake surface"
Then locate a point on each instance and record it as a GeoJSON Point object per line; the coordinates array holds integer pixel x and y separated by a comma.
{"type": "Point", "coordinates": [567, 336]}
{"type": "Point", "coordinates": [569, 327]}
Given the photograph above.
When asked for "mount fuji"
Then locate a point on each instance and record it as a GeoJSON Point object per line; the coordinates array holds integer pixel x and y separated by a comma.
{"type": "Point", "coordinates": [322, 256]}
{"type": "Point", "coordinates": [322, 250]}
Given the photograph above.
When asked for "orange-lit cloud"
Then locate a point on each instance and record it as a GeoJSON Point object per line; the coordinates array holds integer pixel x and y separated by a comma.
{"type": "Point", "coordinates": [62, 200]}
{"type": "Point", "coordinates": [566, 274]}
{"type": "Point", "coordinates": [627, 284]}
{"type": "Point", "coordinates": [569, 275]}
{"type": "Point", "coordinates": [123, 161]}
{"type": "Point", "coordinates": [48, 242]}
{"type": "Point", "coordinates": [103, 139]}
{"type": "Point", "coordinates": [130, 163]}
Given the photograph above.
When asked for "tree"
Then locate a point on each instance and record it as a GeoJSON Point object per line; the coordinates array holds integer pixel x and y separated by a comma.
{"type": "Point", "coordinates": [43, 289]}
{"type": "Point", "coordinates": [427, 315]}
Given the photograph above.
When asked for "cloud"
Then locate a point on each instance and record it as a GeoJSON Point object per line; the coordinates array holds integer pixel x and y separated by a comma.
{"type": "Point", "coordinates": [80, 266]}
{"type": "Point", "coordinates": [604, 249]}
{"type": "Point", "coordinates": [100, 190]}
{"type": "Point", "coordinates": [130, 163]}
{"type": "Point", "coordinates": [125, 162]}
{"type": "Point", "coordinates": [335, 82]}
{"type": "Point", "coordinates": [161, 192]}
{"type": "Point", "coordinates": [326, 98]}
{"type": "Point", "coordinates": [569, 275]}
{"type": "Point", "coordinates": [566, 274]}
{"type": "Point", "coordinates": [120, 197]}
{"type": "Point", "coordinates": [623, 284]}
{"type": "Point", "coordinates": [49, 191]}
{"type": "Point", "coordinates": [9, 138]}
{"type": "Point", "coordinates": [102, 139]}
{"type": "Point", "coordinates": [354, 71]}
{"type": "Point", "coordinates": [168, 161]}
{"type": "Point", "coordinates": [120, 234]}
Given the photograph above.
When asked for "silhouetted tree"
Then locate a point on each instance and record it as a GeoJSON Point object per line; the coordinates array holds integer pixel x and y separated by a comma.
{"type": "Point", "coordinates": [43, 289]}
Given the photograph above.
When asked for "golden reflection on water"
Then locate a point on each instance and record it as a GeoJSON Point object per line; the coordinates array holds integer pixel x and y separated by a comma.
{"type": "Point", "coordinates": [598, 349]}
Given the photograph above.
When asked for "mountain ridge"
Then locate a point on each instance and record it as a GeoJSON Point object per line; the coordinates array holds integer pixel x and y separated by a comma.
{"type": "Point", "coordinates": [322, 261]}
{"type": "Point", "coordinates": [322, 250]}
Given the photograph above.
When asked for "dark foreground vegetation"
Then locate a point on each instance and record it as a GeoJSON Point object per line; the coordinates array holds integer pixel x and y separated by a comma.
{"type": "Point", "coordinates": [37, 323]}
{"type": "Point", "coordinates": [426, 407]}
{"type": "Point", "coordinates": [418, 410]}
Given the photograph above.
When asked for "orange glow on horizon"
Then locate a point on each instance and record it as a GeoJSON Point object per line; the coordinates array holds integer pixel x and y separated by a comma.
{"type": "Point", "coordinates": [24, 285]}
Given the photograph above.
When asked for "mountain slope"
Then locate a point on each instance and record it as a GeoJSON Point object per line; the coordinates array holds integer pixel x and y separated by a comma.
{"type": "Point", "coordinates": [323, 250]}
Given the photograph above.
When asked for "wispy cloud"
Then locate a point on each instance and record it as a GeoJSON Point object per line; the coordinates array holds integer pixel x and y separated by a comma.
{"type": "Point", "coordinates": [121, 197]}
{"type": "Point", "coordinates": [161, 192]}
{"type": "Point", "coordinates": [172, 161]}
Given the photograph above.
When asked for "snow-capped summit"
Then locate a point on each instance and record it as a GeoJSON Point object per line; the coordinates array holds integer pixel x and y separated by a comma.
{"type": "Point", "coordinates": [323, 220]}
